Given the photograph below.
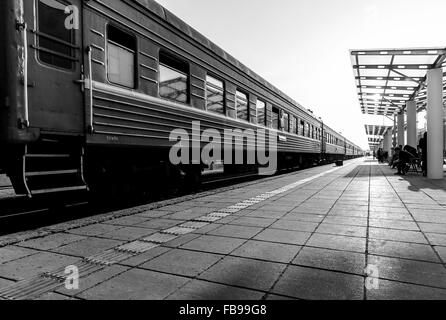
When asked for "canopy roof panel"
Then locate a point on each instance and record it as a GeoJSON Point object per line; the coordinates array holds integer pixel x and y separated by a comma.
{"type": "Point", "coordinates": [376, 130]}
{"type": "Point", "coordinates": [387, 78]}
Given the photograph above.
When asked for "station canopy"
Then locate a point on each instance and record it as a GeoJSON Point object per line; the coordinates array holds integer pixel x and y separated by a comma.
{"type": "Point", "coordinates": [374, 142]}
{"type": "Point", "coordinates": [387, 78]}
{"type": "Point", "coordinates": [376, 130]}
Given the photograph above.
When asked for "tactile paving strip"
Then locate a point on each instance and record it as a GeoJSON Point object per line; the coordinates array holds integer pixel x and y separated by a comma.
{"type": "Point", "coordinates": [137, 247]}
{"type": "Point", "coordinates": [179, 231]}
{"type": "Point", "coordinates": [160, 238]}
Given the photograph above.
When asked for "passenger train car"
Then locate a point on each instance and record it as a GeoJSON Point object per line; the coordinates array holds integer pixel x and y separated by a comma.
{"type": "Point", "coordinates": [90, 91]}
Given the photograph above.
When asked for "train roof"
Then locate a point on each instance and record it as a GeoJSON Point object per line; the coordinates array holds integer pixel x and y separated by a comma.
{"type": "Point", "coordinates": [176, 22]}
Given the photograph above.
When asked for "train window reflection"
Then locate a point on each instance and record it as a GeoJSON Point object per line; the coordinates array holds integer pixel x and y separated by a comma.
{"type": "Point", "coordinates": [242, 106]}
{"type": "Point", "coordinates": [55, 41]}
{"type": "Point", "coordinates": [286, 122]}
{"type": "Point", "coordinates": [121, 48]}
{"type": "Point", "coordinates": [215, 95]}
{"type": "Point", "coordinates": [275, 118]}
{"type": "Point", "coordinates": [261, 112]}
{"type": "Point", "coordinates": [174, 79]}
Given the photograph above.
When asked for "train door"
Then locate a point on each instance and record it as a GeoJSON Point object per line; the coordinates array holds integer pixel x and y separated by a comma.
{"type": "Point", "coordinates": [55, 65]}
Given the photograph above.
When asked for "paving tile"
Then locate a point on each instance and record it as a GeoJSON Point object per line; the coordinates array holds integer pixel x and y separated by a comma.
{"type": "Point", "coordinates": [253, 222]}
{"type": "Point", "coordinates": [136, 284]}
{"type": "Point", "coordinates": [399, 208]}
{"type": "Point", "coordinates": [52, 241]}
{"type": "Point", "coordinates": [11, 253]}
{"type": "Point", "coordinates": [433, 227]}
{"type": "Point", "coordinates": [343, 230]}
{"type": "Point", "coordinates": [178, 242]}
{"type": "Point", "coordinates": [337, 242]}
{"type": "Point", "coordinates": [392, 290]}
{"type": "Point", "coordinates": [127, 221]}
{"type": "Point", "coordinates": [94, 279]}
{"type": "Point", "coordinates": [310, 209]}
{"type": "Point", "coordinates": [144, 257]}
{"type": "Point", "coordinates": [394, 224]}
{"type": "Point", "coordinates": [283, 236]}
{"type": "Point", "coordinates": [128, 233]}
{"type": "Point", "coordinates": [51, 296]}
{"type": "Point", "coordinates": [247, 273]}
{"type": "Point", "coordinates": [30, 266]}
{"type": "Point", "coordinates": [295, 225]}
{"type": "Point", "coordinates": [88, 247]}
{"type": "Point", "coordinates": [402, 250]}
{"type": "Point", "coordinates": [94, 229]}
{"type": "Point", "coordinates": [266, 214]}
{"type": "Point", "coordinates": [159, 224]}
{"type": "Point", "coordinates": [304, 217]}
{"type": "Point", "coordinates": [214, 244]}
{"type": "Point", "coordinates": [185, 215]}
{"type": "Point", "coordinates": [349, 213]}
{"type": "Point", "coordinates": [441, 252]}
{"type": "Point", "coordinates": [350, 262]}
{"type": "Point", "coordinates": [197, 290]}
{"type": "Point", "coordinates": [397, 235]}
{"type": "Point", "coordinates": [275, 252]}
{"type": "Point", "coordinates": [391, 216]}
{"type": "Point", "coordinates": [411, 271]}
{"type": "Point", "coordinates": [314, 284]}
{"type": "Point", "coordinates": [436, 239]}
{"type": "Point", "coordinates": [4, 283]}
{"type": "Point", "coordinates": [210, 227]}
{"type": "Point", "coordinates": [153, 214]}
{"type": "Point", "coordinates": [182, 262]}
{"type": "Point", "coordinates": [244, 232]}
{"type": "Point", "coordinates": [352, 221]}
{"type": "Point", "coordinates": [279, 298]}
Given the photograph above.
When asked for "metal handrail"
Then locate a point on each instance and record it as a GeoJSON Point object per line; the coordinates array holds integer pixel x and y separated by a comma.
{"type": "Point", "coordinates": [90, 76]}
{"type": "Point", "coordinates": [23, 27]}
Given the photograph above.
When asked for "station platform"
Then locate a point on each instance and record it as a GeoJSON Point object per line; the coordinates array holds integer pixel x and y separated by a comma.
{"type": "Point", "coordinates": [352, 232]}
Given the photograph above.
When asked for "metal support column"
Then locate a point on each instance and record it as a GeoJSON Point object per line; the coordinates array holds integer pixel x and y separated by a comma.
{"type": "Point", "coordinates": [394, 141]}
{"type": "Point", "coordinates": [401, 130]}
{"type": "Point", "coordinates": [435, 115]}
{"type": "Point", "coordinates": [411, 107]}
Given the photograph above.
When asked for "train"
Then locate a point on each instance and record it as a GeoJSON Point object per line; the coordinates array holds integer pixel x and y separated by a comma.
{"type": "Point", "coordinates": [91, 90]}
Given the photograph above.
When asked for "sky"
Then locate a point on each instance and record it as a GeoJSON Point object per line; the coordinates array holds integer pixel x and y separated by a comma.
{"type": "Point", "coordinates": [302, 46]}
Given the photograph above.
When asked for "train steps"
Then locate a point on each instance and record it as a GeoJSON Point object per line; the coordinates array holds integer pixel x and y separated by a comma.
{"type": "Point", "coordinates": [52, 166]}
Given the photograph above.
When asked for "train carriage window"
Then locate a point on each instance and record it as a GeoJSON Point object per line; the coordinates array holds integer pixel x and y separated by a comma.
{"type": "Point", "coordinates": [307, 130]}
{"type": "Point", "coordinates": [286, 122]}
{"type": "Point", "coordinates": [275, 118]}
{"type": "Point", "coordinates": [302, 128]}
{"type": "Point", "coordinates": [215, 97]}
{"type": "Point", "coordinates": [261, 112]}
{"type": "Point", "coordinates": [174, 78]}
{"type": "Point", "coordinates": [296, 125]}
{"type": "Point", "coordinates": [121, 56]}
{"type": "Point", "coordinates": [56, 43]}
{"type": "Point", "coordinates": [293, 124]}
{"type": "Point", "coordinates": [241, 105]}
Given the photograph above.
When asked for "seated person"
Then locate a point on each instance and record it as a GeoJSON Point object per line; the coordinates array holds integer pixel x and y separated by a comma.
{"type": "Point", "coordinates": [403, 161]}
{"type": "Point", "coordinates": [394, 160]}
{"type": "Point", "coordinates": [411, 150]}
